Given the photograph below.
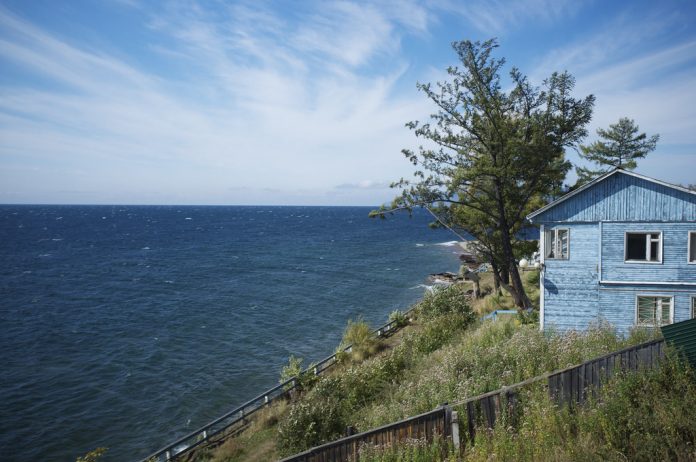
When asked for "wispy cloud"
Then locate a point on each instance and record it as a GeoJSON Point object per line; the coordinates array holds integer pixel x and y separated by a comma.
{"type": "Point", "coordinates": [263, 100]}
{"type": "Point", "coordinates": [495, 17]}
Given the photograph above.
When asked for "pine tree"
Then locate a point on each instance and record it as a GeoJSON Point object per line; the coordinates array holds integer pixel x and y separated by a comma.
{"type": "Point", "coordinates": [620, 147]}
{"type": "Point", "coordinates": [492, 154]}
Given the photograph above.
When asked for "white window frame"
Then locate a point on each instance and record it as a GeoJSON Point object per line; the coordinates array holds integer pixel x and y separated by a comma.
{"type": "Point", "coordinates": [693, 306]}
{"type": "Point", "coordinates": [556, 244]}
{"type": "Point", "coordinates": [647, 249]}
{"type": "Point", "coordinates": [671, 309]}
{"type": "Point", "coordinates": [688, 247]}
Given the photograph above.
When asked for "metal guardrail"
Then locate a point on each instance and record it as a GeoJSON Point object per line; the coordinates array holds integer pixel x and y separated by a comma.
{"type": "Point", "coordinates": [238, 417]}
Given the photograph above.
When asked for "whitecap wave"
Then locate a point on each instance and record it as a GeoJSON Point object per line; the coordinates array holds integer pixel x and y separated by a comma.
{"type": "Point", "coordinates": [448, 243]}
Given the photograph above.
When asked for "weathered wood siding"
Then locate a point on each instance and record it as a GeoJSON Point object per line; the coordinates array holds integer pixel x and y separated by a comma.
{"type": "Point", "coordinates": [570, 286]}
{"type": "Point", "coordinates": [623, 197]}
{"type": "Point", "coordinates": [674, 266]}
{"type": "Point", "coordinates": [617, 304]}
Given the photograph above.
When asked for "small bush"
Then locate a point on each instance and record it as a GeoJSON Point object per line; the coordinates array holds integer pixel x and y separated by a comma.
{"type": "Point", "coordinates": [398, 318]}
{"type": "Point", "coordinates": [528, 316]}
{"type": "Point", "coordinates": [303, 381]}
{"type": "Point", "coordinates": [363, 342]}
{"type": "Point", "coordinates": [92, 456]}
{"type": "Point", "coordinates": [444, 300]}
{"type": "Point", "coordinates": [311, 422]}
{"type": "Point", "coordinates": [533, 278]}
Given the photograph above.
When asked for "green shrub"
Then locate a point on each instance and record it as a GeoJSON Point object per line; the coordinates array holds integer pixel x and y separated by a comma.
{"type": "Point", "coordinates": [528, 317]}
{"type": "Point", "coordinates": [533, 278]}
{"type": "Point", "coordinates": [345, 395]}
{"type": "Point", "coordinates": [311, 422]}
{"type": "Point", "coordinates": [398, 318]}
{"type": "Point", "coordinates": [362, 340]}
{"type": "Point", "coordinates": [444, 300]}
{"type": "Point", "coordinates": [303, 381]}
{"type": "Point", "coordinates": [647, 415]}
{"type": "Point", "coordinates": [92, 456]}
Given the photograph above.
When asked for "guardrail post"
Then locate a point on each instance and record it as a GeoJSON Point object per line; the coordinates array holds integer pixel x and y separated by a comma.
{"type": "Point", "coordinates": [379, 333]}
{"type": "Point", "coordinates": [168, 455]}
{"type": "Point", "coordinates": [265, 399]}
{"type": "Point", "coordinates": [205, 434]}
{"type": "Point", "coordinates": [316, 371]}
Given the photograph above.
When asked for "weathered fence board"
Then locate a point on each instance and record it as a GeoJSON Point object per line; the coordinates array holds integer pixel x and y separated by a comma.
{"type": "Point", "coordinates": [572, 385]}
{"type": "Point", "coordinates": [424, 426]}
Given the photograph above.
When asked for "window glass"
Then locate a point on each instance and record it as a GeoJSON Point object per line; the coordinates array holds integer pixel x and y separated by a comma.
{"type": "Point", "coordinates": [692, 246]}
{"type": "Point", "coordinates": [635, 246]}
{"type": "Point", "coordinates": [654, 310]}
{"type": "Point", "coordinates": [549, 244]}
{"type": "Point", "coordinates": [643, 246]}
{"type": "Point", "coordinates": [693, 307]}
{"type": "Point", "coordinates": [562, 243]}
{"type": "Point", "coordinates": [556, 243]}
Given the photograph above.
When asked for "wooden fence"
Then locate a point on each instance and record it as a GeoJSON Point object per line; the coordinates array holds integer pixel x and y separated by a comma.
{"type": "Point", "coordinates": [218, 430]}
{"type": "Point", "coordinates": [566, 386]}
{"type": "Point", "coordinates": [424, 426]}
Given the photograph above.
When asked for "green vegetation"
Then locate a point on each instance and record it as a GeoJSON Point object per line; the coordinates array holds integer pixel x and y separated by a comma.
{"type": "Point", "coordinates": [498, 154]}
{"type": "Point", "coordinates": [446, 355]}
{"type": "Point", "coordinates": [411, 451]}
{"type": "Point", "coordinates": [340, 399]}
{"type": "Point", "coordinates": [399, 318]}
{"type": "Point", "coordinates": [92, 456]}
{"type": "Point", "coordinates": [642, 416]}
{"type": "Point", "coordinates": [620, 147]}
{"type": "Point", "coordinates": [363, 342]}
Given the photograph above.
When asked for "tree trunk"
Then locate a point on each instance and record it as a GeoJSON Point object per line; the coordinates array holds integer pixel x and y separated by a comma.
{"type": "Point", "coordinates": [504, 276]}
{"type": "Point", "coordinates": [518, 293]}
{"type": "Point", "coordinates": [496, 278]}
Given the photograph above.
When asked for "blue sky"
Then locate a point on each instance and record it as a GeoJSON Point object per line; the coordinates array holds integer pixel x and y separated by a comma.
{"type": "Point", "coordinates": [213, 102]}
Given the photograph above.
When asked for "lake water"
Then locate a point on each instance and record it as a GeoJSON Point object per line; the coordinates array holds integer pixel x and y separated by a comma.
{"type": "Point", "coordinates": [129, 326]}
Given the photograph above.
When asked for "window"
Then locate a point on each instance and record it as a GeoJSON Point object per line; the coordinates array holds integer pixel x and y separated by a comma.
{"type": "Point", "coordinates": [692, 247]}
{"type": "Point", "coordinates": [644, 247]}
{"type": "Point", "coordinates": [693, 306]}
{"type": "Point", "coordinates": [556, 244]}
{"type": "Point", "coordinates": [652, 310]}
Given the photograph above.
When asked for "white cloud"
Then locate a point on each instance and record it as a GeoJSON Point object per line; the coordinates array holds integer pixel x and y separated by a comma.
{"type": "Point", "coordinates": [259, 110]}
{"type": "Point", "coordinates": [495, 17]}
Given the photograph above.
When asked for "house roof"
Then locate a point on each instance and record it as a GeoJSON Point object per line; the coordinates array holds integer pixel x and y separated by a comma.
{"type": "Point", "coordinates": [600, 179]}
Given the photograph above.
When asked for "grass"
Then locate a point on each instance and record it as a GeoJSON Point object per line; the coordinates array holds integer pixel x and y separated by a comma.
{"type": "Point", "coordinates": [446, 355]}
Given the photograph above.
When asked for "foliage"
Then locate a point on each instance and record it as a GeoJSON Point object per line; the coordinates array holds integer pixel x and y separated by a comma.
{"type": "Point", "coordinates": [485, 359]}
{"type": "Point", "coordinates": [346, 395]}
{"type": "Point", "coordinates": [411, 450]}
{"type": "Point", "coordinates": [443, 300]}
{"type": "Point", "coordinates": [359, 336]}
{"type": "Point", "coordinates": [293, 369]}
{"type": "Point", "coordinates": [533, 278]}
{"type": "Point", "coordinates": [642, 416]}
{"type": "Point", "coordinates": [498, 153]}
{"type": "Point", "coordinates": [398, 318]}
{"type": "Point", "coordinates": [620, 146]}
{"type": "Point", "coordinates": [92, 456]}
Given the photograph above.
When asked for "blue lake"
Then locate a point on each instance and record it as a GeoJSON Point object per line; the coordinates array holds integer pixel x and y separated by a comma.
{"type": "Point", "coordinates": [128, 326]}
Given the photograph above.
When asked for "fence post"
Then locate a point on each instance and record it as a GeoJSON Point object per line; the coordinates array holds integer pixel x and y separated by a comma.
{"type": "Point", "coordinates": [455, 429]}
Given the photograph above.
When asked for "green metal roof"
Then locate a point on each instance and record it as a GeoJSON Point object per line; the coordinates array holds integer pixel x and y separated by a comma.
{"type": "Point", "coordinates": [682, 336]}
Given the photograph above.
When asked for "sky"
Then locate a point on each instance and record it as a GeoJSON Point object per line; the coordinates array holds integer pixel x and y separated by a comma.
{"type": "Point", "coordinates": [302, 102]}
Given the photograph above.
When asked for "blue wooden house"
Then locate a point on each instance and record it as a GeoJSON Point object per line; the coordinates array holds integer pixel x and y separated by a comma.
{"type": "Point", "coordinates": [621, 248]}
